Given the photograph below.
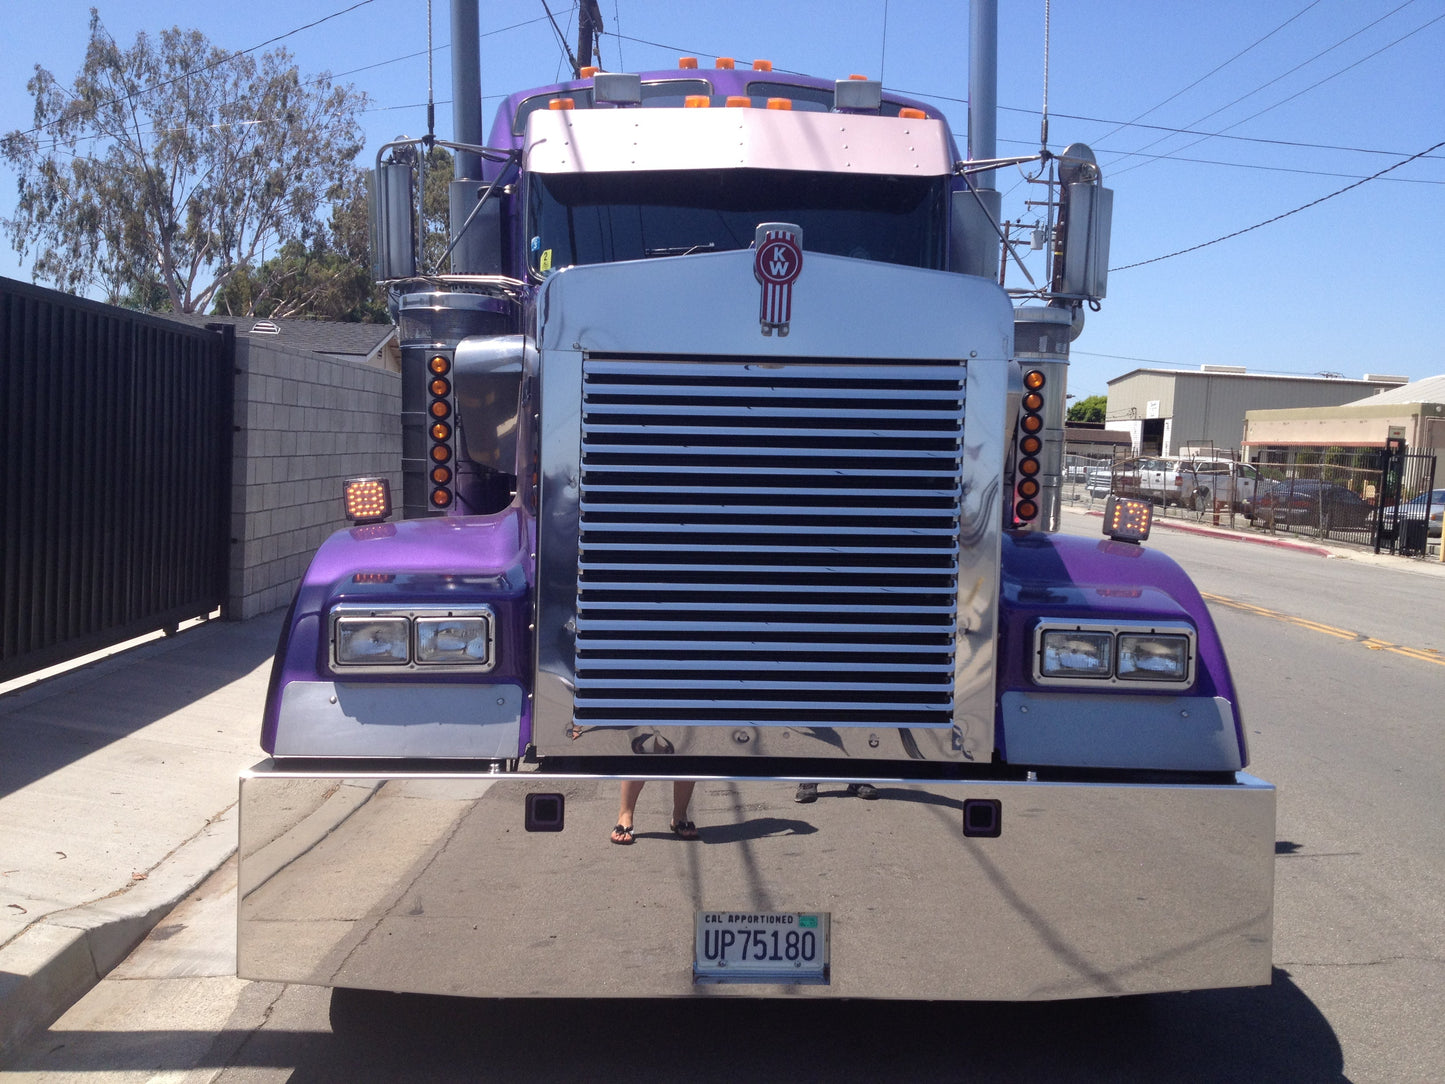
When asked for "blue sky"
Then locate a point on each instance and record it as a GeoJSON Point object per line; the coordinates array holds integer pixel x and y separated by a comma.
{"type": "Point", "coordinates": [1289, 100]}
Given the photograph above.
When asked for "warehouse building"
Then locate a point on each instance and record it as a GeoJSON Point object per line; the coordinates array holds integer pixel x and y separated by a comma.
{"type": "Point", "coordinates": [1173, 411]}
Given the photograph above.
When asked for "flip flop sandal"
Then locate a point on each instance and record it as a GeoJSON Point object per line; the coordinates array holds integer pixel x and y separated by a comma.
{"type": "Point", "coordinates": [684, 829]}
{"type": "Point", "coordinates": [622, 834]}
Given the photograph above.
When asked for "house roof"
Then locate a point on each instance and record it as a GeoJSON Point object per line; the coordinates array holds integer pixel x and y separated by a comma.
{"type": "Point", "coordinates": [1429, 390]}
{"type": "Point", "coordinates": [1313, 378]}
{"type": "Point", "coordinates": [331, 337]}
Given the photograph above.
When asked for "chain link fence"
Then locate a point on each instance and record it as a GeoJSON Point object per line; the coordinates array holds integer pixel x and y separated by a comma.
{"type": "Point", "coordinates": [1352, 496]}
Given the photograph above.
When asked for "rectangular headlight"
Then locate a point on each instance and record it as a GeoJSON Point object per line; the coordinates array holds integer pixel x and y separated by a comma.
{"type": "Point", "coordinates": [455, 640]}
{"type": "Point", "coordinates": [1153, 657]}
{"type": "Point", "coordinates": [365, 640]}
{"type": "Point", "coordinates": [1085, 653]}
{"type": "Point", "coordinates": [1076, 653]}
{"type": "Point", "coordinates": [384, 639]}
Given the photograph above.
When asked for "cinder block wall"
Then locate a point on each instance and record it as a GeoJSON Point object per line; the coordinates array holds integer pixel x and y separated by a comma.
{"type": "Point", "coordinates": [305, 424]}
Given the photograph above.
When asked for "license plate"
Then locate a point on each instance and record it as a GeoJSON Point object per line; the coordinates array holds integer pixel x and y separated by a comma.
{"type": "Point", "coordinates": [761, 947]}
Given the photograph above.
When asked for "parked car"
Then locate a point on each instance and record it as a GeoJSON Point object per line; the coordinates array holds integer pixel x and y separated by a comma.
{"type": "Point", "coordinates": [1191, 481]}
{"type": "Point", "coordinates": [1099, 481]}
{"type": "Point", "coordinates": [1075, 468]}
{"type": "Point", "coordinates": [1221, 480]}
{"type": "Point", "coordinates": [1308, 503]}
{"type": "Point", "coordinates": [1427, 506]}
{"type": "Point", "coordinates": [1147, 477]}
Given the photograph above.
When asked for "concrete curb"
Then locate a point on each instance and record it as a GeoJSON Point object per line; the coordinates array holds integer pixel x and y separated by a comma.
{"type": "Point", "coordinates": [1424, 566]}
{"type": "Point", "coordinates": [55, 962]}
{"type": "Point", "coordinates": [1226, 534]}
{"type": "Point", "coordinates": [1258, 540]}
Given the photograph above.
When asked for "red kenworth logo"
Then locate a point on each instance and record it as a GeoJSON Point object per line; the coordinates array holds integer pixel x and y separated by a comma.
{"type": "Point", "coordinates": [777, 264]}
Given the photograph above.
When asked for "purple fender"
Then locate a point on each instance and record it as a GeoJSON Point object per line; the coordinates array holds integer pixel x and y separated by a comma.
{"type": "Point", "coordinates": [1058, 576]}
{"type": "Point", "coordinates": [450, 559]}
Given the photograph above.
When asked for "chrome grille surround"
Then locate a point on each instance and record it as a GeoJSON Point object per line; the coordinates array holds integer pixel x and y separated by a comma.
{"type": "Point", "coordinates": [767, 545]}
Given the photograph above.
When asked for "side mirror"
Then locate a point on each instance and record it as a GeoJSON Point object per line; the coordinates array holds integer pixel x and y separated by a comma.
{"type": "Point", "coordinates": [1081, 265]}
{"type": "Point", "coordinates": [390, 203]}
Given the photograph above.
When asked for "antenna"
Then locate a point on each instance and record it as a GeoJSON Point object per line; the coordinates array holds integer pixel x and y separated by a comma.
{"type": "Point", "coordinates": [431, 106]}
{"type": "Point", "coordinates": [425, 150]}
{"type": "Point", "coordinates": [561, 38]}
{"type": "Point", "coordinates": [1044, 118]}
{"type": "Point", "coordinates": [883, 46]}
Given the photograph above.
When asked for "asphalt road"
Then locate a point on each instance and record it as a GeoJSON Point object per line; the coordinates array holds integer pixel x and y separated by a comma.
{"type": "Point", "coordinates": [1342, 669]}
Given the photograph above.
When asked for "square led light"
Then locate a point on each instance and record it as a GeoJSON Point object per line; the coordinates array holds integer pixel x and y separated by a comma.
{"type": "Point", "coordinates": [1076, 653]}
{"type": "Point", "coordinates": [1127, 520]}
{"type": "Point", "coordinates": [1153, 657]}
{"type": "Point", "coordinates": [363, 640]}
{"type": "Point", "coordinates": [455, 640]}
{"type": "Point", "coordinates": [368, 500]}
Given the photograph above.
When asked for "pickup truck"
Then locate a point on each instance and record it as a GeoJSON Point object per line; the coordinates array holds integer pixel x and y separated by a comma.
{"type": "Point", "coordinates": [1195, 482]}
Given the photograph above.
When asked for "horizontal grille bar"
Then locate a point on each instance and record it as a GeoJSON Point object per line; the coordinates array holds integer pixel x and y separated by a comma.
{"type": "Point", "coordinates": [655, 650]}
{"type": "Point", "coordinates": [833, 459]}
{"type": "Point", "coordinates": [831, 550]}
{"type": "Point", "coordinates": [768, 545]}
{"type": "Point", "coordinates": [600, 624]}
{"type": "Point", "coordinates": [649, 589]}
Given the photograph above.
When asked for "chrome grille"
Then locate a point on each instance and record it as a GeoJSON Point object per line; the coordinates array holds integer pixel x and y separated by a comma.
{"type": "Point", "coordinates": [766, 544]}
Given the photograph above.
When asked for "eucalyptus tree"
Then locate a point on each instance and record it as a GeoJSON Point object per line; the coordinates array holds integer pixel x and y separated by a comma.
{"type": "Point", "coordinates": [166, 167]}
{"type": "Point", "coordinates": [331, 278]}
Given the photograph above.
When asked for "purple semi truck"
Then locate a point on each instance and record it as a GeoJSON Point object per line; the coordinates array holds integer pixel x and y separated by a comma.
{"type": "Point", "coordinates": [727, 459]}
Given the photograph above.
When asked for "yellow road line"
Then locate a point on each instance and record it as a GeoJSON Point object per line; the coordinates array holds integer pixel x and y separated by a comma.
{"type": "Point", "coordinates": [1421, 654]}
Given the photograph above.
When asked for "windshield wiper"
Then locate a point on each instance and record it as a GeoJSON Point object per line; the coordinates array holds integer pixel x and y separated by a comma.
{"type": "Point", "coordinates": [679, 250]}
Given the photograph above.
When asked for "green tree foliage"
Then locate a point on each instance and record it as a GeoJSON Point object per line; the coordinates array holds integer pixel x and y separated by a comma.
{"type": "Point", "coordinates": [331, 278]}
{"type": "Point", "coordinates": [304, 282]}
{"type": "Point", "coordinates": [1092, 409]}
{"type": "Point", "coordinates": [166, 167]}
{"type": "Point", "coordinates": [436, 204]}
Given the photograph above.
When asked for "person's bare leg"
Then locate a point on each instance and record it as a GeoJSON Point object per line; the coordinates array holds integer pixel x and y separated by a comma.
{"type": "Point", "coordinates": [681, 799]}
{"type": "Point", "coordinates": [631, 789]}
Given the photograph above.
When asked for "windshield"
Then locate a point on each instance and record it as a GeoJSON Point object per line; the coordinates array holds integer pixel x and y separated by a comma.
{"type": "Point", "coordinates": [582, 218]}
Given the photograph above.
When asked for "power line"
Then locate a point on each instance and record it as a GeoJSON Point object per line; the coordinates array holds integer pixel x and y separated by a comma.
{"type": "Point", "coordinates": [1216, 68]}
{"type": "Point", "coordinates": [1247, 165]}
{"type": "Point", "coordinates": [1312, 86]}
{"type": "Point", "coordinates": [561, 38]}
{"type": "Point", "coordinates": [927, 96]}
{"type": "Point", "coordinates": [1286, 214]}
{"type": "Point", "coordinates": [54, 146]}
{"type": "Point", "coordinates": [616, 21]}
{"type": "Point", "coordinates": [680, 50]}
{"type": "Point", "coordinates": [213, 64]}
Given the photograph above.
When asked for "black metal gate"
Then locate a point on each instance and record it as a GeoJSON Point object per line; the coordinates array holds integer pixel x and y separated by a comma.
{"type": "Point", "coordinates": [115, 429]}
{"type": "Point", "coordinates": [1406, 502]}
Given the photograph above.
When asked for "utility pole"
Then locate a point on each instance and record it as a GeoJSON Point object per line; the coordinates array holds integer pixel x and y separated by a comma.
{"type": "Point", "coordinates": [589, 26]}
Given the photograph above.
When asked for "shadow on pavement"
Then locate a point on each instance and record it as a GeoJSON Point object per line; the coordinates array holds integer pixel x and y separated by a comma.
{"type": "Point", "coordinates": [46, 726]}
{"type": "Point", "coordinates": [1272, 1033]}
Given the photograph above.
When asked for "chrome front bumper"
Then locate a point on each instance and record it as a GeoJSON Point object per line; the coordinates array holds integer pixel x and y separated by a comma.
{"type": "Point", "coordinates": [462, 884]}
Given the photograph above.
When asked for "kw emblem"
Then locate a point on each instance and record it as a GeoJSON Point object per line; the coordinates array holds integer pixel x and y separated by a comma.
{"type": "Point", "coordinates": [777, 264]}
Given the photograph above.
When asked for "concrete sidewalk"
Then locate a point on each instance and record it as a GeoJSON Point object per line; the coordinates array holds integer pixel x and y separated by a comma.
{"type": "Point", "coordinates": [117, 798]}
